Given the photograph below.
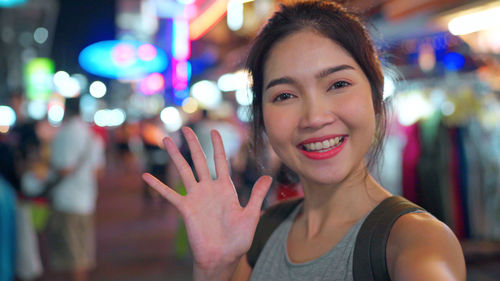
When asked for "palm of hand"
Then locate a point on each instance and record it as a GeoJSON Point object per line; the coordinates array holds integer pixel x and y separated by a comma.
{"type": "Point", "coordinates": [219, 229]}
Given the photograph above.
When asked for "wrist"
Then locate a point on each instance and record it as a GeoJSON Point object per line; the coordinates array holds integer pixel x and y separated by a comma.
{"type": "Point", "coordinates": [214, 271]}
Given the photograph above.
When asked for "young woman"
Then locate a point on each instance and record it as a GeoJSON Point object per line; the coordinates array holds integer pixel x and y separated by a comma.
{"type": "Point", "coordinates": [317, 86]}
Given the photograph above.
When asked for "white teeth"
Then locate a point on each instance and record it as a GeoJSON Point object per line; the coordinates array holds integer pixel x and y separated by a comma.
{"type": "Point", "coordinates": [326, 144]}
{"type": "Point", "coordinates": [333, 142]}
{"type": "Point", "coordinates": [316, 146]}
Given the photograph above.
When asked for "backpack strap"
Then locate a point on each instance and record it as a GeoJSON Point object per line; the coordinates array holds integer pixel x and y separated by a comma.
{"type": "Point", "coordinates": [268, 222]}
{"type": "Point", "coordinates": [369, 262]}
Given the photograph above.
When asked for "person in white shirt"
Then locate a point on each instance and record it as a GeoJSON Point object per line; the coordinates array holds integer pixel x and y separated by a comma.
{"type": "Point", "coordinates": [77, 155]}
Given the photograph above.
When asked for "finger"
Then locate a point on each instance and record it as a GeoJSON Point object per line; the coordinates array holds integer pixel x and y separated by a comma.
{"type": "Point", "coordinates": [165, 191]}
{"type": "Point", "coordinates": [259, 192]}
{"type": "Point", "coordinates": [182, 166]}
{"type": "Point", "coordinates": [199, 159]}
{"type": "Point", "coordinates": [221, 166]}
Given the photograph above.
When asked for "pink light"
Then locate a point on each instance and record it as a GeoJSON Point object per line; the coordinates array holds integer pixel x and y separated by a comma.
{"type": "Point", "coordinates": [123, 54]}
{"type": "Point", "coordinates": [146, 52]}
{"type": "Point", "coordinates": [180, 75]}
{"type": "Point", "coordinates": [153, 83]}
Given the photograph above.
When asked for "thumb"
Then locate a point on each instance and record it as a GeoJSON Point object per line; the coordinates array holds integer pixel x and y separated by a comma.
{"type": "Point", "coordinates": [259, 191]}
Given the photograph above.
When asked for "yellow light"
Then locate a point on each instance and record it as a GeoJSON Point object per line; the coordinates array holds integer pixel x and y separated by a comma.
{"type": "Point", "coordinates": [190, 105]}
{"type": "Point", "coordinates": [200, 25]}
{"type": "Point", "coordinates": [4, 129]}
{"type": "Point", "coordinates": [475, 21]}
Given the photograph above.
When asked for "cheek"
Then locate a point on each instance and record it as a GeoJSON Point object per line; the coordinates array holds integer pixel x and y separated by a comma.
{"type": "Point", "coordinates": [359, 112]}
{"type": "Point", "coordinates": [277, 125]}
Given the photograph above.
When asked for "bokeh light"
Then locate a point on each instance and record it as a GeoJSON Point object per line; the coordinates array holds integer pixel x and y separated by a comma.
{"type": "Point", "coordinates": [207, 94]}
{"type": "Point", "coordinates": [189, 105]}
{"type": "Point", "coordinates": [7, 116]}
{"type": "Point", "coordinates": [37, 109]}
{"type": "Point", "coordinates": [97, 89]}
{"type": "Point", "coordinates": [41, 35]}
{"type": "Point", "coordinates": [109, 117]}
{"type": "Point", "coordinates": [152, 84]}
{"type": "Point", "coordinates": [171, 118]}
{"type": "Point", "coordinates": [244, 96]}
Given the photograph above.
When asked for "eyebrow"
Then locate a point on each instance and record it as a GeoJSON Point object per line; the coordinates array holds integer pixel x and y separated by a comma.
{"type": "Point", "coordinates": [322, 74]}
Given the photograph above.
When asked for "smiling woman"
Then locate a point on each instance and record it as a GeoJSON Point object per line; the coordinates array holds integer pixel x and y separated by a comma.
{"type": "Point", "coordinates": [318, 100]}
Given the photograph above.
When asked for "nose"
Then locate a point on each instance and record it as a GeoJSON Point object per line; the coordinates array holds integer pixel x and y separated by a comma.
{"type": "Point", "coordinates": [316, 113]}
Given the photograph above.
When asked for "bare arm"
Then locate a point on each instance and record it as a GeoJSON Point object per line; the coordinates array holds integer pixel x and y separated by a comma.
{"type": "Point", "coordinates": [422, 248]}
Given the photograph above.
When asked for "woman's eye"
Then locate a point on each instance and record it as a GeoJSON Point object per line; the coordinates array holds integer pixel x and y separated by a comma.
{"type": "Point", "coordinates": [340, 84]}
{"type": "Point", "coordinates": [282, 97]}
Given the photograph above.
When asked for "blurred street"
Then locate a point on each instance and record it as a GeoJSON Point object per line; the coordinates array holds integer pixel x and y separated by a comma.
{"type": "Point", "coordinates": [134, 240]}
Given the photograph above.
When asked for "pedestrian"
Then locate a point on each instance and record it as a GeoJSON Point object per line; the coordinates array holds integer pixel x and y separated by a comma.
{"type": "Point", "coordinates": [317, 86]}
{"type": "Point", "coordinates": [77, 157]}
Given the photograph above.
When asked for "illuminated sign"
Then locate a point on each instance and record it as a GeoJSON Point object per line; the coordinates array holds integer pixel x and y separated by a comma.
{"type": "Point", "coordinates": [123, 59]}
{"type": "Point", "coordinates": [38, 75]}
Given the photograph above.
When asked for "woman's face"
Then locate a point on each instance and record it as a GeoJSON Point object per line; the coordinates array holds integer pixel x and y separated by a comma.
{"type": "Point", "coordinates": [317, 108]}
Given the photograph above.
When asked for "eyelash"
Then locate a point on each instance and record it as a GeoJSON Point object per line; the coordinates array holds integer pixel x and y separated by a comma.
{"type": "Point", "coordinates": [280, 97]}
{"type": "Point", "coordinates": [337, 86]}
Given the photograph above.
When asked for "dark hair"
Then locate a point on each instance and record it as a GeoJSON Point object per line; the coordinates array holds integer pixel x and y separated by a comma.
{"type": "Point", "coordinates": [334, 22]}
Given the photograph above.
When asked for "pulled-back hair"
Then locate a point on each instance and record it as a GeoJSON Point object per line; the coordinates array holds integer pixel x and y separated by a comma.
{"type": "Point", "coordinates": [332, 21]}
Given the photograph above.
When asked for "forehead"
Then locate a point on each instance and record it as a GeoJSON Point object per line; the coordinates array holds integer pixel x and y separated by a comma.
{"type": "Point", "coordinates": [303, 53]}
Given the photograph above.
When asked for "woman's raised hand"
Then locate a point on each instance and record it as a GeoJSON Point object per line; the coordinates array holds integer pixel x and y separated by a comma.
{"type": "Point", "coordinates": [219, 230]}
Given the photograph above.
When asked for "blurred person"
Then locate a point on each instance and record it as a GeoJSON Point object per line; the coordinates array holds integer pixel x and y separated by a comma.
{"type": "Point", "coordinates": [77, 158]}
{"type": "Point", "coordinates": [318, 98]}
{"type": "Point", "coordinates": [8, 202]}
{"type": "Point", "coordinates": [217, 120]}
{"type": "Point", "coordinates": [23, 155]}
{"type": "Point", "coordinates": [155, 159]}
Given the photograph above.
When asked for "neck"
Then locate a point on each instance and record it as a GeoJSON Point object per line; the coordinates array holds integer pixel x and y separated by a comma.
{"type": "Point", "coordinates": [342, 203]}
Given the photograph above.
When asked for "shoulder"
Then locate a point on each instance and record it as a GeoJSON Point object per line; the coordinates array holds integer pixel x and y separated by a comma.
{"type": "Point", "coordinates": [420, 247]}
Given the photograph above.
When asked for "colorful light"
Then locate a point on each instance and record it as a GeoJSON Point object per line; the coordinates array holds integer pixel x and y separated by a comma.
{"type": "Point", "coordinates": [189, 105]}
{"type": "Point", "coordinates": [152, 84]}
{"type": "Point", "coordinates": [123, 54]}
{"type": "Point", "coordinates": [181, 74]}
{"type": "Point", "coordinates": [123, 59]}
{"type": "Point", "coordinates": [454, 61]}
{"type": "Point", "coordinates": [180, 39]}
{"type": "Point", "coordinates": [146, 52]}
{"type": "Point", "coordinates": [11, 3]}
{"type": "Point", "coordinates": [204, 22]}
{"type": "Point", "coordinates": [38, 76]}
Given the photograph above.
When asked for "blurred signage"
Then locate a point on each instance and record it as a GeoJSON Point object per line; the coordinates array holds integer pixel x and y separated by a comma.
{"type": "Point", "coordinates": [38, 75]}
{"type": "Point", "coordinates": [11, 3]}
{"type": "Point", "coordinates": [125, 59]}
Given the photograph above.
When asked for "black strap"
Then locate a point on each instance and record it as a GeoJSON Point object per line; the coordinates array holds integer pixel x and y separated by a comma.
{"type": "Point", "coordinates": [268, 222]}
{"type": "Point", "coordinates": [369, 262]}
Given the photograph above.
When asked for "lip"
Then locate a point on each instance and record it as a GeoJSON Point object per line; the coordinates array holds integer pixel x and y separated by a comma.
{"type": "Point", "coordinates": [315, 155]}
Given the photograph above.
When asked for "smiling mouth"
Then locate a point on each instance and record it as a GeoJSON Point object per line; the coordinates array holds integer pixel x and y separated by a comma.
{"type": "Point", "coordinates": [323, 146]}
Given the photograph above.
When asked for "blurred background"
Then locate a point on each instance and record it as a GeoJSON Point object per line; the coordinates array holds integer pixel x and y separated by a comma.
{"type": "Point", "coordinates": [144, 68]}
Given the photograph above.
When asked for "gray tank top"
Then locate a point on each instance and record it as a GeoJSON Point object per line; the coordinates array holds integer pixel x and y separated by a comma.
{"type": "Point", "coordinates": [274, 264]}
